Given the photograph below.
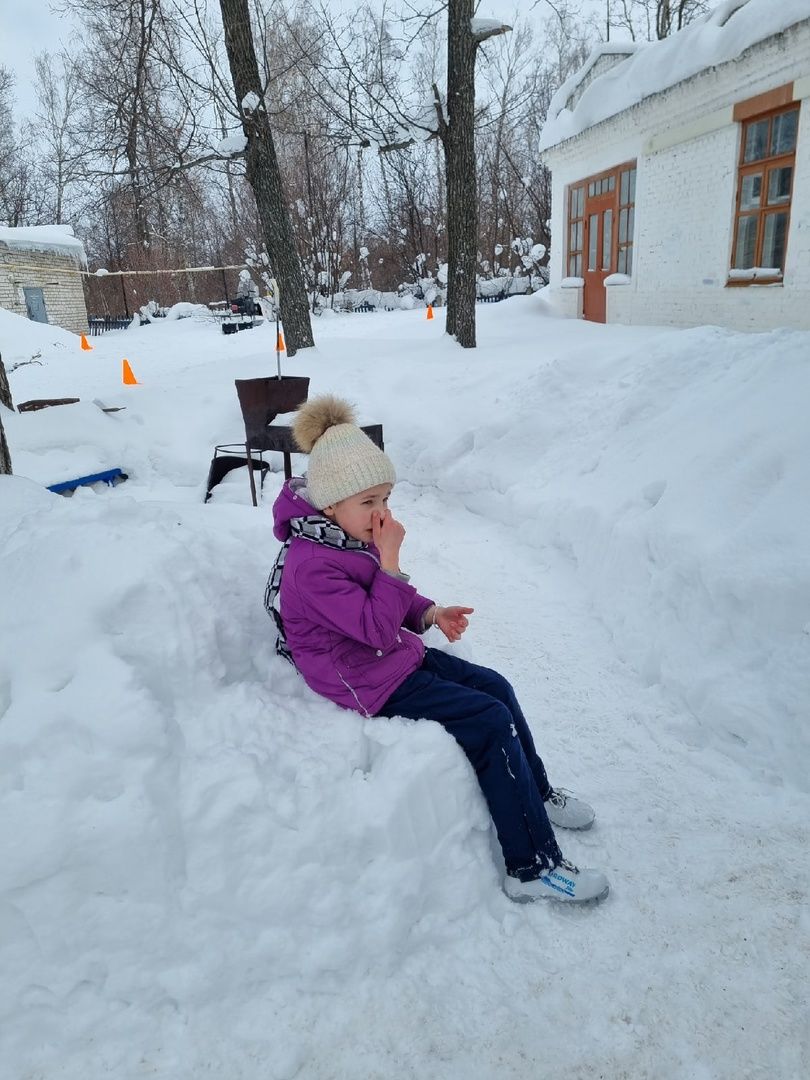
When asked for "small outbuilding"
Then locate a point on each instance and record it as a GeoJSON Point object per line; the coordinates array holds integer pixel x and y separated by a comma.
{"type": "Point", "coordinates": [39, 275]}
{"type": "Point", "coordinates": [681, 175]}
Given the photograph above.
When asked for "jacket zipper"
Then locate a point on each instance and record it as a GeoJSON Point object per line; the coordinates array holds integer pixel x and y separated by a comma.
{"type": "Point", "coordinates": [363, 709]}
{"type": "Point", "coordinates": [348, 686]}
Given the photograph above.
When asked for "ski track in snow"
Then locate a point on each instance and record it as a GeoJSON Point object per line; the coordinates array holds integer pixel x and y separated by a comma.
{"type": "Point", "coordinates": [227, 876]}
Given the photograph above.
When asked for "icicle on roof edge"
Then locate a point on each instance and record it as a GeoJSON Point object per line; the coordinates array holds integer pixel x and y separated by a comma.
{"type": "Point", "coordinates": [55, 239]}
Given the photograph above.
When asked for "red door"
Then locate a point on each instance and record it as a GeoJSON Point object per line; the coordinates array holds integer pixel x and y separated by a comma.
{"type": "Point", "coordinates": [599, 247]}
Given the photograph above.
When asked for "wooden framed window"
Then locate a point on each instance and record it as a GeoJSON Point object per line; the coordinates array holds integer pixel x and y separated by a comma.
{"type": "Point", "coordinates": [627, 213]}
{"type": "Point", "coordinates": [616, 244]}
{"type": "Point", "coordinates": [764, 191]}
{"type": "Point", "coordinates": [576, 229]}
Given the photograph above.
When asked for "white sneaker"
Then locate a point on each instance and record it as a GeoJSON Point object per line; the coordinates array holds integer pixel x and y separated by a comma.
{"type": "Point", "coordinates": [565, 882]}
{"type": "Point", "coordinates": [567, 812]}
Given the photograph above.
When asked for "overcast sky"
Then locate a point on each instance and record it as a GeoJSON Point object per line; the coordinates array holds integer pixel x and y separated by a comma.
{"type": "Point", "coordinates": [27, 28]}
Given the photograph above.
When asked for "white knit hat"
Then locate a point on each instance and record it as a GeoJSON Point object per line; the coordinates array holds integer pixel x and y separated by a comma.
{"type": "Point", "coordinates": [343, 460]}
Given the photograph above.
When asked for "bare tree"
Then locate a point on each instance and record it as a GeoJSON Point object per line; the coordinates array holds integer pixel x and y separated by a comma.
{"type": "Point", "coordinates": [58, 89]}
{"type": "Point", "coordinates": [650, 19]}
{"type": "Point", "coordinates": [7, 144]}
{"type": "Point", "coordinates": [118, 84]}
{"type": "Point", "coordinates": [19, 191]}
{"type": "Point", "coordinates": [367, 100]}
{"type": "Point", "coordinates": [673, 15]}
{"type": "Point", "coordinates": [264, 175]}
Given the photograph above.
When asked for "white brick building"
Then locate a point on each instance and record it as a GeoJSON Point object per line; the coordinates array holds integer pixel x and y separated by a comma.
{"type": "Point", "coordinates": [38, 275]}
{"type": "Point", "coordinates": [681, 175]}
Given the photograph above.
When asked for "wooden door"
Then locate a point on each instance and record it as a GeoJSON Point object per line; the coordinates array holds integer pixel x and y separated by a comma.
{"type": "Point", "coordinates": [600, 245]}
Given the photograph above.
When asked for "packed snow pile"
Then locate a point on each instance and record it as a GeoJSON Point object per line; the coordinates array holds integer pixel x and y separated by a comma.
{"type": "Point", "coordinates": [673, 476]}
{"type": "Point", "coordinates": [208, 870]}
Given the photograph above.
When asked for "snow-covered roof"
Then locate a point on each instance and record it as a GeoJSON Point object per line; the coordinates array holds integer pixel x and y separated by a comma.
{"type": "Point", "coordinates": [57, 239]}
{"type": "Point", "coordinates": [722, 35]}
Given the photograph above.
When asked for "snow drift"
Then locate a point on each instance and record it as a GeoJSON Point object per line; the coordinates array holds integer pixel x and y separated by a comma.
{"type": "Point", "coordinates": [207, 869]}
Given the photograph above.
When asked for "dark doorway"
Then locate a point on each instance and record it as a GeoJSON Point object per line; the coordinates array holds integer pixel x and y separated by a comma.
{"type": "Point", "coordinates": [35, 305]}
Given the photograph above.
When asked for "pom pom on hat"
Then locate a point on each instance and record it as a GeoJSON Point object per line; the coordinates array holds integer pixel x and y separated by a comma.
{"type": "Point", "coordinates": [314, 417]}
{"type": "Point", "coordinates": [343, 460]}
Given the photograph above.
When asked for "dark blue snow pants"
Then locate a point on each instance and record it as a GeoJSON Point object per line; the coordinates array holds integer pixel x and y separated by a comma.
{"type": "Point", "coordinates": [479, 708]}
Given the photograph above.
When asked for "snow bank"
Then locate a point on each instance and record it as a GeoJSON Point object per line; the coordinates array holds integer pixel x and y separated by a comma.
{"type": "Point", "coordinates": [670, 466]}
{"type": "Point", "coordinates": [22, 340]}
{"type": "Point", "coordinates": [208, 870]}
{"type": "Point", "coordinates": [170, 787]}
{"type": "Point", "coordinates": [673, 475]}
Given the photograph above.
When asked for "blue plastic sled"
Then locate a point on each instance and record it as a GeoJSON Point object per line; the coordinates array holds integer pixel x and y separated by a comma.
{"type": "Point", "coordinates": [109, 476]}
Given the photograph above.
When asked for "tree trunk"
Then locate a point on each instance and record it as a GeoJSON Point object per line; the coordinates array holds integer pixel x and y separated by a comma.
{"type": "Point", "coordinates": [5, 454]}
{"type": "Point", "coordinates": [264, 177]}
{"type": "Point", "coordinates": [462, 199]}
{"type": "Point", "coordinates": [5, 399]}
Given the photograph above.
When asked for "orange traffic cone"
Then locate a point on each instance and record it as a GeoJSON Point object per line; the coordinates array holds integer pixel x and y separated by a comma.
{"type": "Point", "coordinates": [280, 346]}
{"type": "Point", "coordinates": [86, 344]}
{"type": "Point", "coordinates": [129, 378]}
{"type": "Point", "coordinates": [430, 311]}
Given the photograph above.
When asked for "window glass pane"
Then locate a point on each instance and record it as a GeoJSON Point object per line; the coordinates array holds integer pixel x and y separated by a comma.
{"type": "Point", "coordinates": [779, 185]}
{"type": "Point", "coordinates": [611, 183]}
{"type": "Point", "coordinates": [624, 187]}
{"type": "Point", "coordinates": [756, 140]}
{"type": "Point", "coordinates": [629, 269]}
{"type": "Point", "coordinates": [773, 245]}
{"type": "Point", "coordinates": [746, 242]}
{"type": "Point", "coordinates": [572, 266]}
{"type": "Point", "coordinates": [592, 188]}
{"type": "Point", "coordinates": [623, 214]}
{"type": "Point", "coordinates": [607, 239]}
{"type": "Point", "coordinates": [580, 201]}
{"type": "Point", "coordinates": [593, 240]}
{"type": "Point", "coordinates": [632, 197]}
{"type": "Point", "coordinates": [751, 191]}
{"type": "Point", "coordinates": [631, 222]}
{"type": "Point", "coordinates": [783, 133]}
{"type": "Point", "coordinates": [621, 264]}
{"type": "Point", "coordinates": [578, 266]}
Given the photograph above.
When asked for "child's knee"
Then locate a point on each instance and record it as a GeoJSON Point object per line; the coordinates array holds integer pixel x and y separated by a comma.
{"type": "Point", "coordinates": [500, 724]}
{"type": "Point", "coordinates": [498, 687]}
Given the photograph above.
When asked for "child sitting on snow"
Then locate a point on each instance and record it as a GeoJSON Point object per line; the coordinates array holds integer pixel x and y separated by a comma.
{"type": "Point", "coordinates": [350, 621]}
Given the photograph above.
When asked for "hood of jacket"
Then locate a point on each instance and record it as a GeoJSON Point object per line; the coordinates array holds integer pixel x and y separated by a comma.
{"type": "Point", "coordinates": [292, 501]}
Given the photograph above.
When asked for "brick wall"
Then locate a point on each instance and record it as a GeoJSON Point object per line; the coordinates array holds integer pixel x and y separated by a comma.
{"type": "Point", "coordinates": [687, 144]}
{"type": "Point", "coordinates": [63, 292]}
{"type": "Point", "coordinates": [568, 302]}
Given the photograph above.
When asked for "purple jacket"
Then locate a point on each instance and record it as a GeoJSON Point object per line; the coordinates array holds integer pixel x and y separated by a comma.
{"type": "Point", "coordinates": [351, 627]}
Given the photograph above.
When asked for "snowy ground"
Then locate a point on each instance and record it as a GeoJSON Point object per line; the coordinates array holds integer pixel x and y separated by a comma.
{"type": "Point", "coordinates": [209, 872]}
